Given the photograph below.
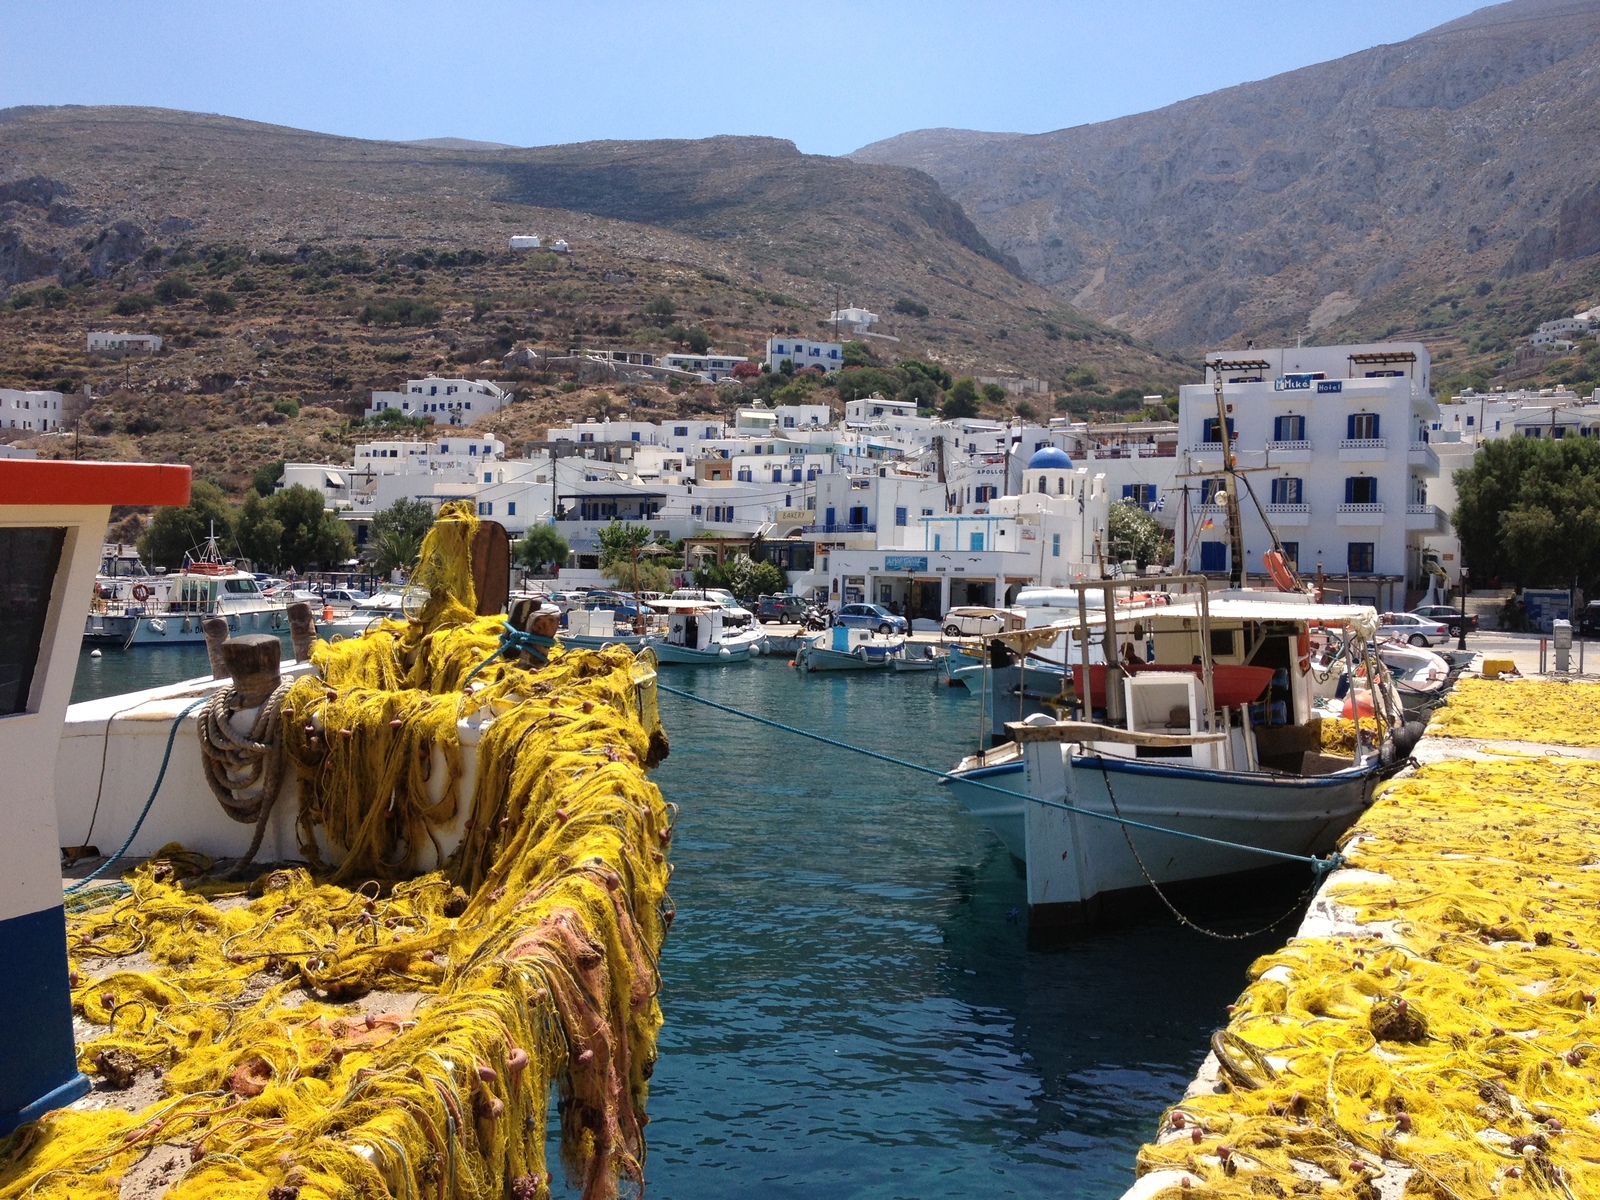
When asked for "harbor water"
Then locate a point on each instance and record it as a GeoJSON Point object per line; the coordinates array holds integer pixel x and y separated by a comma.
{"type": "Point", "coordinates": [852, 1004]}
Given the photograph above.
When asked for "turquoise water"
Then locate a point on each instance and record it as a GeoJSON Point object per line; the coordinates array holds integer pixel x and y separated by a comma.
{"type": "Point", "coordinates": [852, 1006]}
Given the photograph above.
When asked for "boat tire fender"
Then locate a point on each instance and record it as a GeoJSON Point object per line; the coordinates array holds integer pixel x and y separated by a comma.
{"type": "Point", "coordinates": [1403, 741]}
{"type": "Point", "coordinates": [140, 592]}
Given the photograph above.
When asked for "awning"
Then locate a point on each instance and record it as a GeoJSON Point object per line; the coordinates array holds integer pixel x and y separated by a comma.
{"type": "Point", "coordinates": [334, 479]}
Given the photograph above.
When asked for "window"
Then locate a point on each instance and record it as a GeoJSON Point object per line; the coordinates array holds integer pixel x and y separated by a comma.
{"type": "Point", "coordinates": [975, 542]}
{"type": "Point", "coordinates": [1361, 489]}
{"type": "Point", "coordinates": [1055, 545]}
{"type": "Point", "coordinates": [1288, 429]}
{"type": "Point", "coordinates": [1213, 556]}
{"type": "Point", "coordinates": [1209, 489]}
{"type": "Point", "coordinates": [1361, 426]}
{"type": "Point", "coordinates": [1359, 558]}
{"type": "Point", "coordinates": [900, 516]}
{"type": "Point", "coordinates": [511, 508]}
{"type": "Point", "coordinates": [635, 432]}
{"type": "Point", "coordinates": [1208, 430]}
{"type": "Point", "coordinates": [1287, 490]}
{"type": "Point", "coordinates": [858, 515]}
{"type": "Point", "coordinates": [1291, 554]}
{"type": "Point", "coordinates": [488, 477]}
{"type": "Point", "coordinates": [927, 512]}
{"type": "Point", "coordinates": [486, 508]}
{"type": "Point", "coordinates": [938, 541]}
{"type": "Point", "coordinates": [1142, 494]}
{"type": "Point", "coordinates": [680, 431]}
{"type": "Point", "coordinates": [29, 562]}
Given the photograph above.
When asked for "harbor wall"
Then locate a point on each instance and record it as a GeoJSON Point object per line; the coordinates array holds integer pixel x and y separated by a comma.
{"type": "Point", "coordinates": [1431, 1028]}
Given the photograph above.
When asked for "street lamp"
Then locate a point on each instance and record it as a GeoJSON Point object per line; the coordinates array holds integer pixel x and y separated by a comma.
{"type": "Point", "coordinates": [1461, 630]}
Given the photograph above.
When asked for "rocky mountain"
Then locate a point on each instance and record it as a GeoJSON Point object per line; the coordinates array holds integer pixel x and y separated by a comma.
{"type": "Point", "coordinates": [1334, 200]}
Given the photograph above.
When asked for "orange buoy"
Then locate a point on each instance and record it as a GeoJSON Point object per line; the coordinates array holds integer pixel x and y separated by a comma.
{"type": "Point", "coordinates": [327, 612]}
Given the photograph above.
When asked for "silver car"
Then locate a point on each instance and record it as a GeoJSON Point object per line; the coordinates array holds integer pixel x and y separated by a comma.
{"type": "Point", "coordinates": [1409, 627]}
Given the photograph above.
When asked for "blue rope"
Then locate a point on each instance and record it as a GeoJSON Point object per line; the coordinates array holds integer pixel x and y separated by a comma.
{"type": "Point", "coordinates": [1321, 866]}
{"type": "Point", "coordinates": [512, 643]}
{"type": "Point", "coordinates": [172, 736]}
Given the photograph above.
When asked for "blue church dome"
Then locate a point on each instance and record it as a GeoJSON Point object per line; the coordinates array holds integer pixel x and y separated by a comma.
{"type": "Point", "coordinates": [1048, 458]}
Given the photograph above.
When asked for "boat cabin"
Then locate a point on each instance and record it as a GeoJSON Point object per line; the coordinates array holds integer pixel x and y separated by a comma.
{"type": "Point", "coordinates": [209, 592]}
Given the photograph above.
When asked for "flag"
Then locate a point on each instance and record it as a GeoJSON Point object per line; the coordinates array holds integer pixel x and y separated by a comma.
{"type": "Point", "coordinates": [1161, 503]}
{"type": "Point", "coordinates": [1207, 523]}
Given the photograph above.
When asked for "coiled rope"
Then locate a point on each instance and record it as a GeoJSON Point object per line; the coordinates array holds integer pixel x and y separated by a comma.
{"type": "Point", "coordinates": [245, 772]}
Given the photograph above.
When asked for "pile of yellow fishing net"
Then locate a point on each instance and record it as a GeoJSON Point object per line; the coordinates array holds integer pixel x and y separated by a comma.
{"type": "Point", "coordinates": [1563, 714]}
{"type": "Point", "coordinates": [1457, 1054]}
{"type": "Point", "coordinates": [402, 1036]}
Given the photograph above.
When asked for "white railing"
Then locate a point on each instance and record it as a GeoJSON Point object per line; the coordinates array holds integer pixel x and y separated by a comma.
{"type": "Point", "coordinates": [1361, 508]}
{"type": "Point", "coordinates": [1364, 444]}
{"type": "Point", "coordinates": [1422, 510]}
{"type": "Point", "coordinates": [1300, 444]}
{"type": "Point", "coordinates": [1289, 510]}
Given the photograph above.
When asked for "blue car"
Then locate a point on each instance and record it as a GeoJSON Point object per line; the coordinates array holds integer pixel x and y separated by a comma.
{"type": "Point", "coordinates": [871, 616]}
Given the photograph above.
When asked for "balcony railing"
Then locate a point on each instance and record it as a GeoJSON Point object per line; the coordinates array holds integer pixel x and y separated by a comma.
{"type": "Point", "coordinates": [1364, 509]}
{"type": "Point", "coordinates": [1364, 444]}
{"type": "Point", "coordinates": [1288, 510]}
{"type": "Point", "coordinates": [840, 527]}
{"type": "Point", "coordinates": [1300, 444]}
{"type": "Point", "coordinates": [1424, 455]}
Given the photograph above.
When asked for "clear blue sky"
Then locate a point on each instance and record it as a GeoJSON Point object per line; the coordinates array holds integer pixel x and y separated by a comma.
{"type": "Point", "coordinates": [829, 76]}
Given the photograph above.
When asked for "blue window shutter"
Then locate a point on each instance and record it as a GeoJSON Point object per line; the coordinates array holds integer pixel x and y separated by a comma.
{"type": "Point", "coordinates": [1375, 431]}
{"type": "Point", "coordinates": [1127, 491]}
{"type": "Point", "coordinates": [1350, 427]}
{"type": "Point", "coordinates": [1349, 487]}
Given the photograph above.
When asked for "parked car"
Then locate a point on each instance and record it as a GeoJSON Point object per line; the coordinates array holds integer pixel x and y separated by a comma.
{"type": "Point", "coordinates": [786, 609]}
{"type": "Point", "coordinates": [1409, 627]}
{"type": "Point", "coordinates": [974, 620]}
{"type": "Point", "coordinates": [342, 596]}
{"type": "Point", "coordinates": [619, 603]}
{"type": "Point", "coordinates": [1588, 622]}
{"type": "Point", "coordinates": [1449, 617]}
{"type": "Point", "coordinates": [871, 616]}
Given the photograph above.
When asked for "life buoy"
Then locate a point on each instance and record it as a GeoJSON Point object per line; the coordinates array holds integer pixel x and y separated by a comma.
{"type": "Point", "coordinates": [1279, 571]}
{"type": "Point", "coordinates": [140, 592]}
{"type": "Point", "coordinates": [1303, 649]}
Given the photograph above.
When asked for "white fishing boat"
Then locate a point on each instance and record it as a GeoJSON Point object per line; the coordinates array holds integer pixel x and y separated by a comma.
{"type": "Point", "coordinates": [592, 628]}
{"type": "Point", "coordinates": [1217, 735]}
{"type": "Point", "coordinates": [124, 578]}
{"type": "Point", "coordinates": [1422, 677]}
{"type": "Point", "coordinates": [696, 633]}
{"type": "Point", "coordinates": [918, 657]}
{"type": "Point", "coordinates": [845, 649]}
{"type": "Point", "coordinates": [207, 588]}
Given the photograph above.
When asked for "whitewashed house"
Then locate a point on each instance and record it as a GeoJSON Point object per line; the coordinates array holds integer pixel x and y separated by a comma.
{"type": "Point", "coordinates": [525, 241]}
{"type": "Point", "coordinates": [443, 401]}
{"type": "Point", "coordinates": [710, 366]}
{"type": "Point", "coordinates": [1336, 442]}
{"type": "Point", "coordinates": [857, 320]}
{"type": "Point", "coordinates": [123, 343]}
{"type": "Point", "coordinates": [36, 412]}
{"type": "Point", "coordinates": [803, 352]}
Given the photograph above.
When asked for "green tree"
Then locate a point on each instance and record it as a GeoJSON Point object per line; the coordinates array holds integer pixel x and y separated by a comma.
{"type": "Point", "coordinates": [699, 340]}
{"type": "Point", "coordinates": [413, 517]}
{"type": "Point", "coordinates": [913, 369]}
{"type": "Point", "coordinates": [661, 306]}
{"type": "Point", "coordinates": [1135, 534]}
{"type": "Point", "coordinates": [133, 304]}
{"type": "Point", "coordinates": [859, 354]}
{"type": "Point", "coordinates": [292, 528]}
{"type": "Point", "coordinates": [394, 549]}
{"type": "Point", "coordinates": [173, 288]}
{"type": "Point", "coordinates": [267, 476]}
{"type": "Point", "coordinates": [1528, 512]}
{"type": "Point", "coordinates": [621, 544]}
{"type": "Point", "coordinates": [219, 302]}
{"type": "Point", "coordinates": [175, 532]}
{"type": "Point", "coordinates": [855, 383]}
{"type": "Point", "coordinates": [542, 545]}
{"type": "Point", "coordinates": [961, 400]}
{"type": "Point", "coordinates": [993, 393]}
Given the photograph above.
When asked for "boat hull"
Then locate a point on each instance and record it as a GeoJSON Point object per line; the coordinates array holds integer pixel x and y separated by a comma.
{"type": "Point", "coordinates": [712, 656]}
{"type": "Point", "coordinates": [169, 629]}
{"type": "Point", "coordinates": [815, 658]}
{"type": "Point", "coordinates": [1078, 864]}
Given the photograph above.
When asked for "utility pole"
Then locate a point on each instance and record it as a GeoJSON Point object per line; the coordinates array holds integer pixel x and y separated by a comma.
{"type": "Point", "coordinates": [1230, 490]}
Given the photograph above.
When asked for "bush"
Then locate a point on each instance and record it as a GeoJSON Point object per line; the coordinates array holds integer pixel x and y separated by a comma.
{"type": "Point", "coordinates": [543, 545]}
{"type": "Point", "coordinates": [402, 310]}
{"type": "Point", "coordinates": [289, 408]}
{"type": "Point", "coordinates": [45, 297]}
{"type": "Point", "coordinates": [219, 302]}
{"type": "Point", "coordinates": [173, 288]}
{"type": "Point", "coordinates": [134, 303]}
{"type": "Point", "coordinates": [245, 283]}
{"type": "Point", "coordinates": [661, 306]}
{"type": "Point", "coordinates": [993, 393]}
{"type": "Point", "coordinates": [266, 477]}
{"type": "Point", "coordinates": [698, 340]}
{"type": "Point", "coordinates": [910, 307]}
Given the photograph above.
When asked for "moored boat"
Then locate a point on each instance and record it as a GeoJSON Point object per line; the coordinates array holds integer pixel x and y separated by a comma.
{"type": "Point", "coordinates": [697, 633]}
{"type": "Point", "coordinates": [209, 588]}
{"type": "Point", "coordinates": [845, 649]}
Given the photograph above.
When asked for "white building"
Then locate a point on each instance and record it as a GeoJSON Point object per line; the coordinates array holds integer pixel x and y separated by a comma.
{"type": "Point", "coordinates": [560, 246]}
{"type": "Point", "coordinates": [710, 366]}
{"type": "Point", "coordinates": [525, 241]}
{"type": "Point", "coordinates": [874, 408]}
{"type": "Point", "coordinates": [858, 320]}
{"type": "Point", "coordinates": [803, 352]}
{"type": "Point", "coordinates": [687, 436]}
{"type": "Point", "coordinates": [124, 343]}
{"type": "Point", "coordinates": [1564, 331]}
{"type": "Point", "coordinates": [1334, 440]}
{"type": "Point", "coordinates": [444, 401]}
{"type": "Point", "coordinates": [37, 412]}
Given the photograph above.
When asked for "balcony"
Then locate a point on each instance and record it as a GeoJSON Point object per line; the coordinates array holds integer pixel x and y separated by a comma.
{"type": "Point", "coordinates": [1424, 518]}
{"type": "Point", "coordinates": [1359, 514]}
{"type": "Point", "coordinates": [840, 527]}
{"type": "Point", "coordinates": [1289, 452]}
{"type": "Point", "coordinates": [1363, 449]}
{"type": "Point", "coordinates": [1289, 514]}
{"type": "Point", "coordinates": [1422, 455]}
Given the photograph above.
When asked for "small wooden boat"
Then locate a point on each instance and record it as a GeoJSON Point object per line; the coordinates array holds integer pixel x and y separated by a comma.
{"type": "Point", "coordinates": [923, 660]}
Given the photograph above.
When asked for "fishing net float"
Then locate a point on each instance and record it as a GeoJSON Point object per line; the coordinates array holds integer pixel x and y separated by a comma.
{"type": "Point", "coordinates": [265, 1007]}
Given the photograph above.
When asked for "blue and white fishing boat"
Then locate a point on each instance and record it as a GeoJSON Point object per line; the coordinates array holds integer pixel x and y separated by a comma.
{"type": "Point", "coordinates": [845, 649]}
{"type": "Point", "coordinates": [1216, 734]}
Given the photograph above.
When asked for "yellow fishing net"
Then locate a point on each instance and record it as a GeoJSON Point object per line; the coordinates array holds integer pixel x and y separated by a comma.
{"type": "Point", "coordinates": [402, 1037]}
{"type": "Point", "coordinates": [1458, 1052]}
{"type": "Point", "coordinates": [1564, 714]}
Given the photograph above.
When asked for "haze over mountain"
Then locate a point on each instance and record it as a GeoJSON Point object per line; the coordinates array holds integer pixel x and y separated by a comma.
{"type": "Point", "coordinates": [1330, 199]}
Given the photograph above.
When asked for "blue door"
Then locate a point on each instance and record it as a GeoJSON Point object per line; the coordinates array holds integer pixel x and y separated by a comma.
{"type": "Point", "coordinates": [829, 521]}
{"type": "Point", "coordinates": [1213, 556]}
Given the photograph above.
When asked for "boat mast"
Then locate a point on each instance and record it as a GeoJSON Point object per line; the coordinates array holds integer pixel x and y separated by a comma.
{"type": "Point", "coordinates": [1230, 486]}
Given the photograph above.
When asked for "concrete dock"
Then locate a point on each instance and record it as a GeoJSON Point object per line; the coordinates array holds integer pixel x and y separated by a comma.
{"type": "Point", "coordinates": [1431, 1029]}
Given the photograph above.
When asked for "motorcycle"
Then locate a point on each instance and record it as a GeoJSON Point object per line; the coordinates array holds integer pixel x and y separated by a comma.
{"type": "Point", "coordinates": [817, 617]}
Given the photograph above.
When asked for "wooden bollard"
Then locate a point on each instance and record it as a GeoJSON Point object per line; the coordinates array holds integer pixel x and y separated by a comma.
{"type": "Point", "coordinates": [251, 662]}
{"type": "Point", "coordinates": [302, 629]}
{"type": "Point", "coordinates": [216, 629]}
{"type": "Point", "coordinates": [531, 616]}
